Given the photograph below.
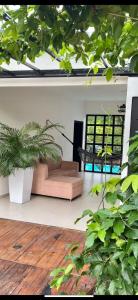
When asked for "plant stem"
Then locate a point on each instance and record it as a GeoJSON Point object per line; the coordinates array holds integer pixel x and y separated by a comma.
{"type": "Point", "coordinates": [121, 16]}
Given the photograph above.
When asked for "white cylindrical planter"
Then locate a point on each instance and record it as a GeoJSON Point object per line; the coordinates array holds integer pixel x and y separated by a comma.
{"type": "Point", "coordinates": [20, 185]}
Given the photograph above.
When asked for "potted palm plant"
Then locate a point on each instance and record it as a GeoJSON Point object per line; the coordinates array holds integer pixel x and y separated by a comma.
{"type": "Point", "coordinates": [20, 150]}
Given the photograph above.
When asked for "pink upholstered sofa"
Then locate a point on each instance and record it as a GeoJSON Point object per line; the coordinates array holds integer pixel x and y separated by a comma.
{"type": "Point", "coordinates": [57, 179]}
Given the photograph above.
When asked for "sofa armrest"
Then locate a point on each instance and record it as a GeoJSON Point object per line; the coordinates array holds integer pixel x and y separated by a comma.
{"type": "Point", "coordinates": [72, 165]}
{"type": "Point", "coordinates": [41, 171]}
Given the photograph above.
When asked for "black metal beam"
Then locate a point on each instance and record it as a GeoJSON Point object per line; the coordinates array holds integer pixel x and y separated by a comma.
{"type": "Point", "coordinates": [104, 62]}
{"type": "Point", "coordinates": [31, 66]}
{"type": "Point", "coordinates": [35, 69]}
{"type": "Point", "coordinates": [12, 74]}
{"type": "Point", "coordinates": [61, 73]}
{"type": "Point", "coordinates": [53, 55]}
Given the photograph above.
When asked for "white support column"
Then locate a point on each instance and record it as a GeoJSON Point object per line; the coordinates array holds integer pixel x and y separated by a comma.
{"type": "Point", "coordinates": [132, 91]}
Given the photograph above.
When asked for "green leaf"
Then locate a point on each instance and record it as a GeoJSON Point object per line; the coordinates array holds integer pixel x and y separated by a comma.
{"type": "Point", "coordinates": [94, 226]}
{"type": "Point", "coordinates": [134, 247]}
{"type": "Point", "coordinates": [133, 147]}
{"type": "Point", "coordinates": [120, 242]}
{"type": "Point", "coordinates": [109, 74]}
{"type": "Point", "coordinates": [84, 59]}
{"type": "Point", "coordinates": [112, 287]}
{"type": "Point", "coordinates": [125, 274]}
{"type": "Point", "coordinates": [104, 213]}
{"type": "Point", "coordinates": [97, 270]}
{"type": "Point", "coordinates": [135, 197]}
{"type": "Point", "coordinates": [107, 223]}
{"type": "Point", "coordinates": [112, 269]}
{"type": "Point", "coordinates": [124, 208]}
{"type": "Point", "coordinates": [69, 269]}
{"type": "Point", "coordinates": [135, 183]}
{"type": "Point", "coordinates": [114, 181]}
{"type": "Point", "coordinates": [95, 69]}
{"type": "Point", "coordinates": [134, 30]}
{"type": "Point", "coordinates": [117, 30]}
{"type": "Point", "coordinates": [102, 234]}
{"type": "Point", "coordinates": [111, 197]}
{"type": "Point", "coordinates": [118, 227]}
{"type": "Point", "coordinates": [90, 240]}
{"type": "Point", "coordinates": [65, 64]}
{"type": "Point", "coordinates": [124, 166]}
{"type": "Point", "coordinates": [77, 57]}
{"type": "Point", "coordinates": [59, 282]}
{"type": "Point", "coordinates": [100, 290]}
{"type": "Point", "coordinates": [131, 179]}
{"type": "Point", "coordinates": [128, 26]}
{"type": "Point", "coordinates": [132, 261]}
{"type": "Point", "coordinates": [91, 60]}
{"type": "Point", "coordinates": [86, 212]}
{"type": "Point", "coordinates": [117, 255]}
{"type": "Point", "coordinates": [132, 234]}
{"type": "Point", "coordinates": [133, 216]}
{"type": "Point", "coordinates": [56, 271]}
{"type": "Point", "coordinates": [126, 183]}
{"type": "Point", "coordinates": [96, 189]}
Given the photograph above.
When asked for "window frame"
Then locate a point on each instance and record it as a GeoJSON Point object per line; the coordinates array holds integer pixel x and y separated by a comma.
{"type": "Point", "coordinates": [112, 144]}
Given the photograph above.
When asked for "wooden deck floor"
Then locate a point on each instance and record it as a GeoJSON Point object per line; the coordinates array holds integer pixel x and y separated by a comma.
{"type": "Point", "coordinates": [28, 252]}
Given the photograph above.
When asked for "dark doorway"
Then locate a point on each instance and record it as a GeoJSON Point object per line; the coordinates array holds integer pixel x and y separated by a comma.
{"type": "Point", "coordinates": [133, 121]}
{"type": "Point", "coordinates": [134, 117]}
{"type": "Point", "coordinates": [77, 141]}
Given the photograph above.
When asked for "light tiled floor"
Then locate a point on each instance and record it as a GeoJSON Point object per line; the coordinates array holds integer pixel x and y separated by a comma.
{"type": "Point", "coordinates": [54, 211]}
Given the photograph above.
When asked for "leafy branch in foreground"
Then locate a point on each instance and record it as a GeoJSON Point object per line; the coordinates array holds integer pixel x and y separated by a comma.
{"type": "Point", "coordinates": [111, 244]}
{"type": "Point", "coordinates": [93, 34]}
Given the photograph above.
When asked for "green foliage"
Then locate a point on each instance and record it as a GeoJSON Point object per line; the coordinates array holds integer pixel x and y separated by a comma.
{"type": "Point", "coordinates": [111, 244]}
{"type": "Point", "coordinates": [58, 278]}
{"type": "Point", "coordinates": [22, 148]}
{"type": "Point", "coordinates": [106, 151]}
{"type": "Point", "coordinates": [33, 29]}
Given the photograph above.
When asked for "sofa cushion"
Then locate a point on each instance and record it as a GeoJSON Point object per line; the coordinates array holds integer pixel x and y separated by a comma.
{"type": "Point", "coordinates": [64, 187]}
{"type": "Point", "coordinates": [62, 172]}
{"type": "Point", "coordinates": [53, 164]}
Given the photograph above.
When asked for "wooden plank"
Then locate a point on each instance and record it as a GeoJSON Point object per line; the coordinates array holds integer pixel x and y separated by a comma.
{"type": "Point", "coordinates": [4, 265]}
{"type": "Point", "coordinates": [51, 260]}
{"type": "Point", "coordinates": [6, 288]}
{"type": "Point", "coordinates": [13, 251]}
{"type": "Point", "coordinates": [26, 270]}
{"type": "Point", "coordinates": [33, 283]}
{"type": "Point", "coordinates": [36, 250]}
{"type": "Point", "coordinates": [11, 236]}
{"type": "Point", "coordinates": [6, 227]}
{"type": "Point", "coordinates": [11, 274]}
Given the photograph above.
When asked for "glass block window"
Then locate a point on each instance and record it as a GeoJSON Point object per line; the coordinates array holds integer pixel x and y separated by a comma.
{"type": "Point", "coordinates": [102, 130]}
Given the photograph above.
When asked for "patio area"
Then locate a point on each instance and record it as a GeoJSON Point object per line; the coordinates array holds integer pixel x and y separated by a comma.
{"type": "Point", "coordinates": [55, 211]}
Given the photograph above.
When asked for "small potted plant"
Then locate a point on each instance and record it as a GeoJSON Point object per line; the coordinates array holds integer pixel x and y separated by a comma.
{"type": "Point", "coordinates": [20, 150]}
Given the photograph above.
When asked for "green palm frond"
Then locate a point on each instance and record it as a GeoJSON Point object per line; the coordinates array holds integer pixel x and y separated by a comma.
{"type": "Point", "coordinates": [30, 127]}
{"type": "Point", "coordinates": [22, 148]}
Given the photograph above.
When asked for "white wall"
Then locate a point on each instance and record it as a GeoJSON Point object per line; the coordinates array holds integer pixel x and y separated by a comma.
{"type": "Point", "coordinates": [103, 107]}
{"type": "Point", "coordinates": [63, 105]}
{"type": "Point", "coordinates": [19, 105]}
{"type": "Point", "coordinates": [132, 91]}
